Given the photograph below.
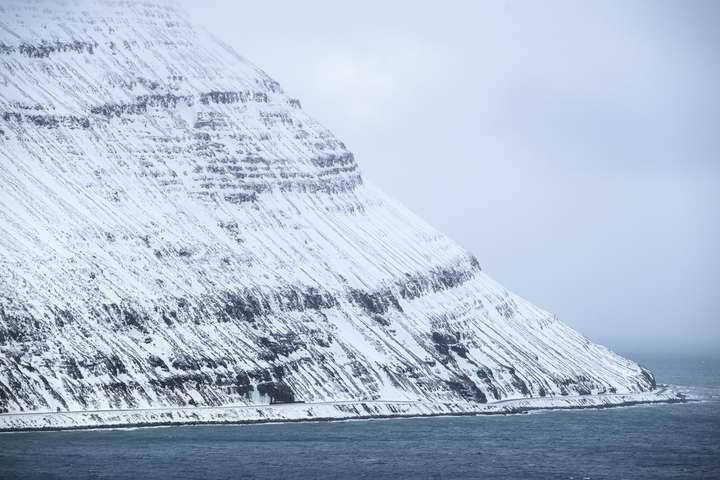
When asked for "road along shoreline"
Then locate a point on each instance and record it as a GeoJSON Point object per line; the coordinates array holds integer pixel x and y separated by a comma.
{"type": "Point", "coordinates": [314, 412]}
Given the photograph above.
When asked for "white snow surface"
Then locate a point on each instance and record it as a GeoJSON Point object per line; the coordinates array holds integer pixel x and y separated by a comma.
{"type": "Point", "coordinates": [176, 231]}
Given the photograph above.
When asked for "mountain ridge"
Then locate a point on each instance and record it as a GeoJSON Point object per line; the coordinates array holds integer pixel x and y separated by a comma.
{"type": "Point", "coordinates": [176, 231]}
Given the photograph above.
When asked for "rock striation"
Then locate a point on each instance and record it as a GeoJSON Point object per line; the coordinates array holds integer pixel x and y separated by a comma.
{"type": "Point", "coordinates": [176, 231]}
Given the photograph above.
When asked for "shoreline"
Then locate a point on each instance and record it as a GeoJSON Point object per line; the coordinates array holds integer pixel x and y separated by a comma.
{"type": "Point", "coordinates": [316, 412]}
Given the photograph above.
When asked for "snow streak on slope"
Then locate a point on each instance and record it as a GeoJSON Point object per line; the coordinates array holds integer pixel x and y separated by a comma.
{"type": "Point", "coordinates": [175, 230]}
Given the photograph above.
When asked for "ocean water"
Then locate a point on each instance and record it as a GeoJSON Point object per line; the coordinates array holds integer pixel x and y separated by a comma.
{"type": "Point", "coordinates": [642, 442]}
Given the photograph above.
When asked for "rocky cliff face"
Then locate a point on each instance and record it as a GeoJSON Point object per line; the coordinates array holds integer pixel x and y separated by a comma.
{"type": "Point", "coordinates": [175, 230]}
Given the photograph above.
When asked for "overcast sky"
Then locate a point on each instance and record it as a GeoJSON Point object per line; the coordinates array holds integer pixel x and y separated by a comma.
{"type": "Point", "coordinates": [573, 147]}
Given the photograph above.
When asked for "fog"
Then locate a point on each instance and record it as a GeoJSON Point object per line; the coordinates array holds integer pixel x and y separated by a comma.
{"type": "Point", "coordinates": [573, 147]}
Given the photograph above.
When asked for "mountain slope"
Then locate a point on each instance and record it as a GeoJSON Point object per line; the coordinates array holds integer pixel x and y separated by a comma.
{"type": "Point", "coordinates": [176, 231]}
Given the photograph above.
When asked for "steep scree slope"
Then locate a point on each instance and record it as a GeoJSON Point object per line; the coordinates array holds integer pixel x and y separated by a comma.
{"type": "Point", "coordinates": [175, 230]}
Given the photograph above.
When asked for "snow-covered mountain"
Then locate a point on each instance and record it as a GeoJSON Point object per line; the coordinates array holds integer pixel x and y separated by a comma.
{"type": "Point", "coordinates": [176, 231]}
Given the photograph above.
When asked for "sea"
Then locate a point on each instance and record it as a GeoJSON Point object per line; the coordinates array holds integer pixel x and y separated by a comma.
{"type": "Point", "coordinates": [680, 441]}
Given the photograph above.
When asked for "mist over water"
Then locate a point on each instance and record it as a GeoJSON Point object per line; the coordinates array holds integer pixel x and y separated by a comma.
{"type": "Point", "coordinates": [570, 146]}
